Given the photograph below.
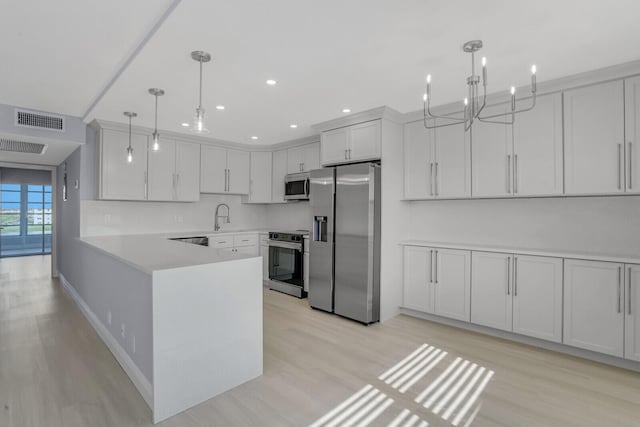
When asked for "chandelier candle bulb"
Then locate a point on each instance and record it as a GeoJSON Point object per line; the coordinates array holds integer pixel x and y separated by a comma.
{"type": "Point", "coordinates": [513, 98]}
{"type": "Point", "coordinates": [533, 79]}
{"type": "Point", "coordinates": [484, 71]}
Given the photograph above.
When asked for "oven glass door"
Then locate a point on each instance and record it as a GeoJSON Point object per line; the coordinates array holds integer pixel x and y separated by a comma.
{"type": "Point", "coordinates": [285, 265]}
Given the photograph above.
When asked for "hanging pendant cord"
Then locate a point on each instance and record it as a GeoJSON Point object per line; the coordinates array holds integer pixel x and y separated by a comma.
{"type": "Point", "coordinates": [200, 99]}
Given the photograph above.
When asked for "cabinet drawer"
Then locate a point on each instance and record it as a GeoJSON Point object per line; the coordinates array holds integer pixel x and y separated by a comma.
{"type": "Point", "coordinates": [245, 240]}
{"type": "Point", "coordinates": [221, 241]}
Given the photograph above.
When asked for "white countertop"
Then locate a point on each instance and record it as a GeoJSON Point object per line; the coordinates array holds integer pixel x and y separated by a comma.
{"type": "Point", "coordinates": [153, 252]}
{"type": "Point", "coordinates": [535, 252]}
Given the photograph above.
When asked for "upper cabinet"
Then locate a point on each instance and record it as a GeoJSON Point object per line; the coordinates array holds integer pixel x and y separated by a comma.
{"type": "Point", "coordinates": [174, 172]}
{"type": "Point", "coordinates": [437, 162]}
{"type": "Point", "coordinates": [278, 172]}
{"type": "Point", "coordinates": [594, 139]}
{"type": "Point", "coordinates": [260, 185]}
{"type": "Point", "coordinates": [187, 169]}
{"type": "Point", "coordinates": [119, 179]}
{"type": "Point", "coordinates": [303, 158]}
{"type": "Point", "coordinates": [632, 133]}
{"type": "Point", "coordinates": [224, 170]}
{"type": "Point", "coordinates": [354, 143]}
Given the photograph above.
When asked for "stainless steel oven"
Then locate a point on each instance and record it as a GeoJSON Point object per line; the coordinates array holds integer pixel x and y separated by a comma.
{"type": "Point", "coordinates": [286, 263]}
{"type": "Point", "coordinates": [296, 186]}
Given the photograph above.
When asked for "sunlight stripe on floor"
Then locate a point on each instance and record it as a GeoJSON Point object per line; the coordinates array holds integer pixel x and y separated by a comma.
{"type": "Point", "coordinates": [463, 394]}
{"type": "Point", "coordinates": [399, 418]}
{"type": "Point", "coordinates": [373, 415]}
{"type": "Point", "coordinates": [365, 410]}
{"type": "Point", "coordinates": [343, 405]}
{"type": "Point", "coordinates": [472, 399]}
{"type": "Point", "coordinates": [438, 380]}
{"type": "Point", "coordinates": [446, 385]}
{"type": "Point", "coordinates": [423, 372]}
{"type": "Point", "coordinates": [402, 362]}
{"type": "Point", "coordinates": [453, 390]}
{"type": "Point", "coordinates": [409, 365]}
{"type": "Point", "coordinates": [411, 421]}
{"type": "Point", "coordinates": [352, 408]}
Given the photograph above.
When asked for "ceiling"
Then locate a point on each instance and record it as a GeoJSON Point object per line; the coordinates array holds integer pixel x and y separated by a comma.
{"type": "Point", "coordinates": [326, 55]}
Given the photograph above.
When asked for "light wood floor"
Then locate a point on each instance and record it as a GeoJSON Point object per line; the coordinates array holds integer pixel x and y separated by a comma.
{"type": "Point", "coordinates": [55, 371]}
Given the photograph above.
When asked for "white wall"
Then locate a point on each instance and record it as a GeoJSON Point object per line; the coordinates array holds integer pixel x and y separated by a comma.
{"type": "Point", "coordinates": [599, 225]}
{"type": "Point", "coordinates": [289, 216]}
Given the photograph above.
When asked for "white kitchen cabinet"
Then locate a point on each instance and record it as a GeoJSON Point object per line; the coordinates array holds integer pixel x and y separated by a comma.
{"type": "Point", "coordinates": [161, 172]}
{"type": "Point", "coordinates": [537, 149]}
{"type": "Point", "coordinates": [236, 243]}
{"type": "Point", "coordinates": [437, 281]}
{"type": "Point", "coordinates": [261, 172]}
{"type": "Point", "coordinates": [224, 170]}
{"type": "Point", "coordinates": [594, 139]}
{"type": "Point", "coordinates": [303, 158]}
{"type": "Point", "coordinates": [263, 240]}
{"type": "Point", "coordinates": [417, 271]}
{"type": "Point", "coordinates": [452, 284]}
{"type": "Point", "coordinates": [537, 297]}
{"type": "Point", "coordinates": [452, 163]}
{"type": "Point", "coordinates": [174, 172]}
{"type": "Point", "coordinates": [491, 290]}
{"type": "Point", "coordinates": [279, 171]}
{"type": "Point", "coordinates": [632, 133]}
{"type": "Point", "coordinates": [632, 317]}
{"type": "Point", "coordinates": [593, 306]}
{"type": "Point", "coordinates": [119, 179]}
{"type": "Point", "coordinates": [353, 143]}
{"type": "Point", "coordinates": [418, 161]}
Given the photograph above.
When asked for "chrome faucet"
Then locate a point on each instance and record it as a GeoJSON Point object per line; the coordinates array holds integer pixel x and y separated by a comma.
{"type": "Point", "coordinates": [216, 224]}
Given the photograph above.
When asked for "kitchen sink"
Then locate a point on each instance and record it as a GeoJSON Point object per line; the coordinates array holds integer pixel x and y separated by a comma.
{"type": "Point", "coordinates": [198, 240]}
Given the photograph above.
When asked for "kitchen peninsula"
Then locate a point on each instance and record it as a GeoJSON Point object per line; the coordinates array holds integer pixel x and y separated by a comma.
{"type": "Point", "coordinates": [184, 321]}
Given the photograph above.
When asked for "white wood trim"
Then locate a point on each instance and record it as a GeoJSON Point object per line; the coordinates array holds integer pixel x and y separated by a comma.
{"type": "Point", "coordinates": [128, 365]}
{"type": "Point", "coordinates": [383, 112]}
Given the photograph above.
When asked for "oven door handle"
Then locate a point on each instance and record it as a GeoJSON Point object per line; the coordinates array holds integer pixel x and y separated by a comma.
{"type": "Point", "coordinates": [286, 245]}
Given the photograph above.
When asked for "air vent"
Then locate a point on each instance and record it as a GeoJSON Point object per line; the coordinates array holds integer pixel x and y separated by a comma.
{"type": "Point", "coordinates": [17, 146]}
{"type": "Point", "coordinates": [32, 119]}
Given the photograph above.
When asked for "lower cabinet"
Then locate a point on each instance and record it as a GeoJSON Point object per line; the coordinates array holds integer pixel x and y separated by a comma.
{"type": "Point", "coordinates": [518, 293]}
{"type": "Point", "coordinates": [438, 281]}
{"type": "Point", "coordinates": [632, 318]}
{"type": "Point", "coordinates": [264, 253]}
{"type": "Point", "coordinates": [594, 304]}
{"type": "Point", "coordinates": [238, 243]}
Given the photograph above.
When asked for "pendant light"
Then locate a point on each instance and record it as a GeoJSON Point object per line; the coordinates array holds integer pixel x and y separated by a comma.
{"type": "Point", "coordinates": [156, 136]}
{"type": "Point", "coordinates": [130, 148]}
{"type": "Point", "coordinates": [198, 122]}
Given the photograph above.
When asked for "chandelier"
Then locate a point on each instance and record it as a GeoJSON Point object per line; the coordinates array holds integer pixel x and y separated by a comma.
{"type": "Point", "coordinates": [474, 103]}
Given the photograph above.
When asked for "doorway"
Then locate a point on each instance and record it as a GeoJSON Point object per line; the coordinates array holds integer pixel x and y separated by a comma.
{"type": "Point", "coordinates": [26, 212]}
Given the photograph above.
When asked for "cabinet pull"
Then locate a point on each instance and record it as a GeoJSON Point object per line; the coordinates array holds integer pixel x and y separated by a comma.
{"type": "Point", "coordinates": [432, 179]}
{"type": "Point", "coordinates": [436, 180]}
{"type": "Point", "coordinates": [509, 174]}
{"type": "Point", "coordinates": [146, 186]}
{"type": "Point", "coordinates": [515, 276]}
{"type": "Point", "coordinates": [629, 294]}
{"type": "Point", "coordinates": [619, 171]}
{"type": "Point", "coordinates": [619, 287]}
{"type": "Point", "coordinates": [508, 274]}
{"type": "Point", "coordinates": [435, 264]}
{"type": "Point", "coordinates": [228, 180]}
{"type": "Point", "coordinates": [345, 154]}
{"type": "Point", "coordinates": [431, 265]}
{"type": "Point", "coordinates": [630, 169]}
{"type": "Point", "coordinates": [349, 153]}
{"type": "Point", "coordinates": [302, 167]}
{"type": "Point", "coordinates": [515, 174]}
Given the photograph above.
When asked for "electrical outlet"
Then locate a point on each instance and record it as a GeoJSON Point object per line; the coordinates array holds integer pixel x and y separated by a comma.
{"type": "Point", "coordinates": [133, 343]}
{"type": "Point", "coordinates": [122, 330]}
{"type": "Point", "coordinates": [109, 317]}
{"type": "Point", "coordinates": [76, 184]}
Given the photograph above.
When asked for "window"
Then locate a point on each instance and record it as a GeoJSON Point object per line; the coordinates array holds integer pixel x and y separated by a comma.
{"type": "Point", "coordinates": [39, 209]}
{"type": "Point", "coordinates": [10, 218]}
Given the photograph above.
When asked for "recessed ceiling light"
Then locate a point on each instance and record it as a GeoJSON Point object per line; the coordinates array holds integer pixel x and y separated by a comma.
{"type": "Point", "coordinates": [219, 107]}
{"type": "Point", "coordinates": [271, 82]}
{"type": "Point", "coordinates": [186, 125]}
{"type": "Point", "coordinates": [293, 126]}
{"type": "Point", "coordinates": [254, 137]}
{"type": "Point", "coordinates": [346, 110]}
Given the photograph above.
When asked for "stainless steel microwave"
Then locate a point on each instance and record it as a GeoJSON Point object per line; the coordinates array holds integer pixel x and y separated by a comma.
{"type": "Point", "coordinates": [296, 186]}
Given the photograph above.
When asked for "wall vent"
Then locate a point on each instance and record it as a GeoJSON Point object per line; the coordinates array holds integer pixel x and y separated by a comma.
{"type": "Point", "coordinates": [17, 146]}
{"type": "Point", "coordinates": [32, 119]}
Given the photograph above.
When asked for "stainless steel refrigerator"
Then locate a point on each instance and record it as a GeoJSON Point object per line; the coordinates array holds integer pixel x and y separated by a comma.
{"type": "Point", "coordinates": [344, 250]}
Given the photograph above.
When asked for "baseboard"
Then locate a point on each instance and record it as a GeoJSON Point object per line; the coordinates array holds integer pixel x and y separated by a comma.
{"type": "Point", "coordinates": [131, 369]}
{"type": "Point", "coordinates": [548, 345]}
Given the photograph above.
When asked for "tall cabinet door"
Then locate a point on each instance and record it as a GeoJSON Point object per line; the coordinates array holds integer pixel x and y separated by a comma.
{"type": "Point", "coordinates": [334, 147]}
{"type": "Point", "coordinates": [537, 149]}
{"type": "Point", "coordinates": [238, 165]}
{"type": "Point", "coordinates": [364, 141]}
{"type": "Point", "coordinates": [491, 290]}
{"type": "Point", "coordinates": [278, 173]}
{"type": "Point", "coordinates": [162, 164]}
{"type": "Point", "coordinates": [632, 133]}
{"type": "Point", "coordinates": [418, 161]}
{"type": "Point", "coordinates": [120, 179]}
{"type": "Point", "coordinates": [311, 157]}
{"type": "Point", "coordinates": [593, 306]}
{"type": "Point", "coordinates": [213, 169]}
{"type": "Point", "coordinates": [537, 297]}
{"type": "Point", "coordinates": [187, 172]}
{"type": "Point", "coordinates": [594, 139]}
{"type": "Point", "coordinates": [452, 284]}
{"type": "Point", "coordinates": [492, 146]}
{"type": "Point", "coordinates": [453, 162]}
{"type": "Point", "coordinates": [417, 281]}
{"type": "Point", "coordinates": [632, 317]}
{"type": "Point", "coordinates": [260, 186]}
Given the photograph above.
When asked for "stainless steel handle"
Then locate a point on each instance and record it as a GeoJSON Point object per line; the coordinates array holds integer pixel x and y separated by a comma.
{"type": "Point", "coordinates": [225, 180]}
{"type": "Point", "coordinates": [228, 180]}
{"type": "Point", "coordinates": [146, 186]}
{"type": "Point", "coordinates": [515, 173]}
{"type": "Point", "coordinates": [630, 169]}
{"type": "Point", "coordinates": [619, 171]}
{"type": "Point", "coordinates": [349, 153]}
{"type": "Point", "coordinates": [508, 274]}
{"type": "Point", "coordinates": [509, 173]}
{"type": "Point", "coordinates": [515, 276]}
{"type": "Point", "coordinates": [619, 288]}
{"type": "Point", "coordinates": [629, 289]}
{"type": "Point", "coordinates": [436, 180]}
{"type": "Point", "coordinates": [302, 167]}
{"type": "Point", "coordinates": [286, 245]}
{"type": "Point", "coordinates": [431, 266]}
{"type": "Point", "coordinates": [435, 264]}
{"type": "Point", "coordinates": [431, 179]}
{"type": "Point", "coordinates": [345, 154]}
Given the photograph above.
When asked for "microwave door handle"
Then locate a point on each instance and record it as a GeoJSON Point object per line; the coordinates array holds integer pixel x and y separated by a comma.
{"type": "Point", "coordinates": [306, 187]}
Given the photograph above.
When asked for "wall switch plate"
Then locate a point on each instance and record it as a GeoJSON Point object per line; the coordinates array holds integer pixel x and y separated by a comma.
{"type": "Point", "coordinates": [76, 184]}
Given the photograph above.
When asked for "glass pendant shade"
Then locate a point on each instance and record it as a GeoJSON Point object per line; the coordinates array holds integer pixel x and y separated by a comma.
{"type": "Point", "coordinates": [156, 141]}
{"type": "Point", "coordinates": [129, 154]}
{"type": "Point", "coordinates": [199, 125]}
{"type": "Point", "coordinates": [130, 115]}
